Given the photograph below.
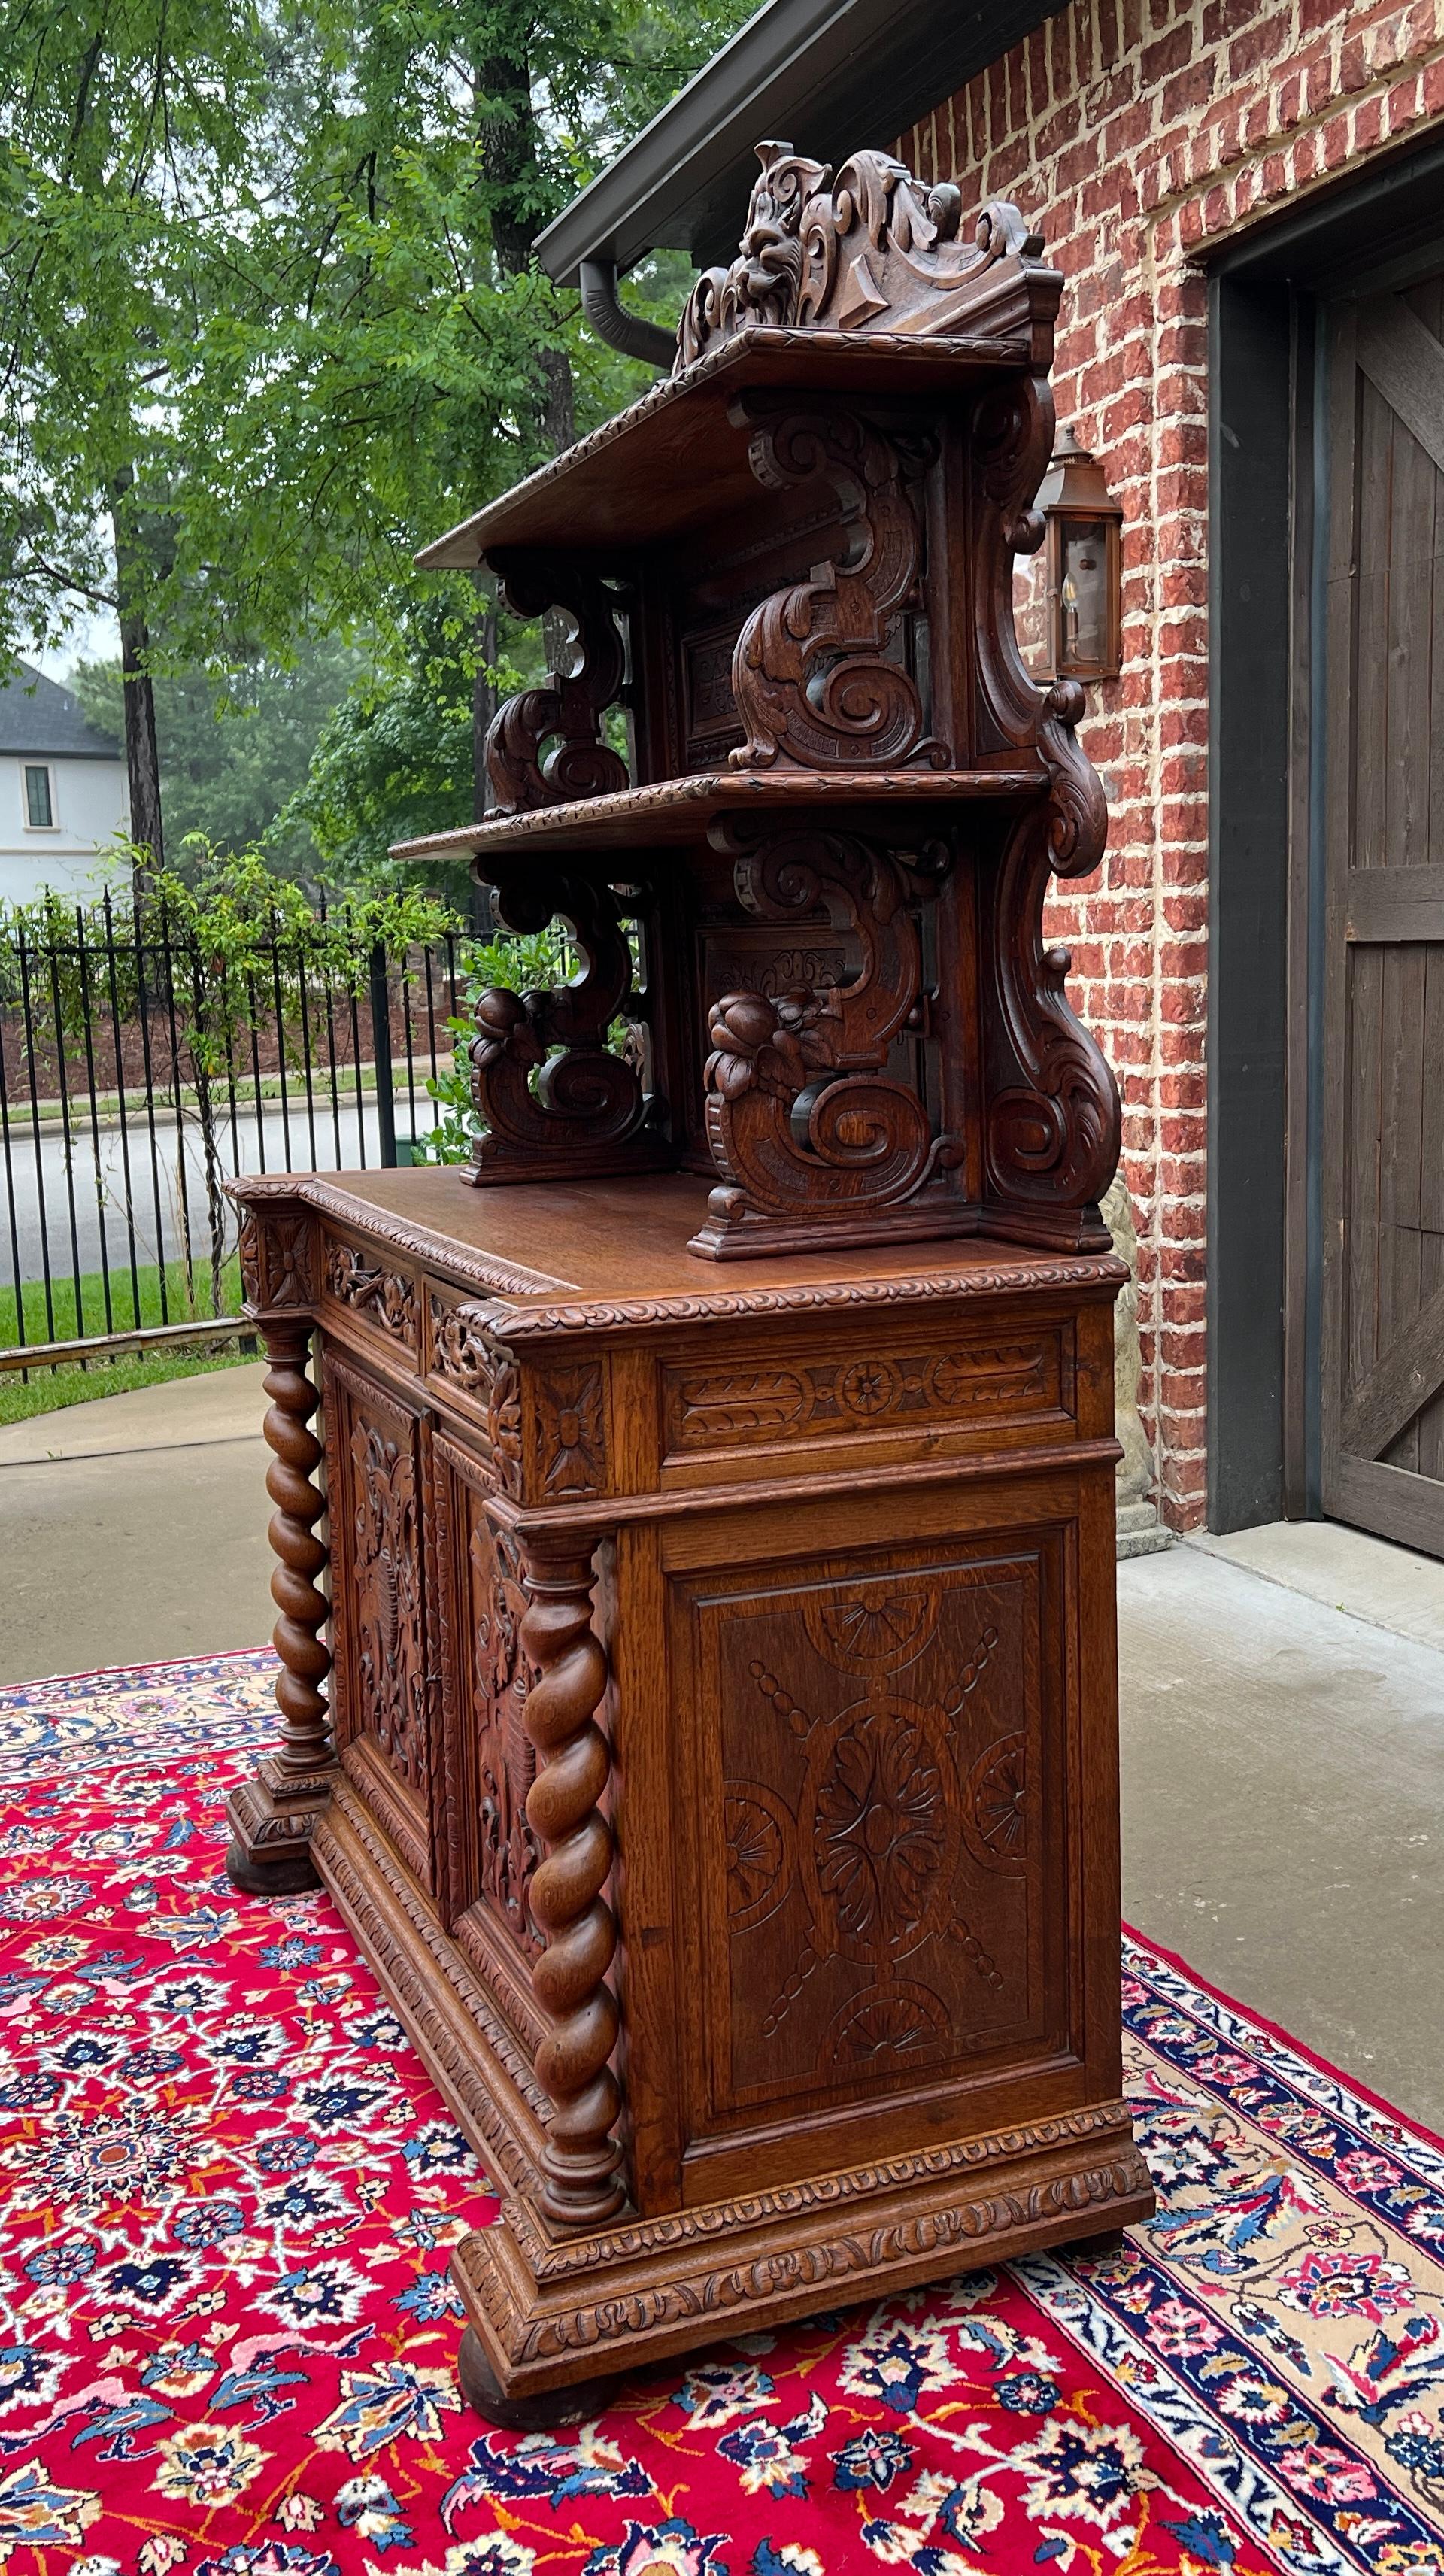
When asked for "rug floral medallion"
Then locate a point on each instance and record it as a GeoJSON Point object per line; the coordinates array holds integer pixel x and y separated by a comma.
{"type": "Point", "coordinates": [228, 2341]}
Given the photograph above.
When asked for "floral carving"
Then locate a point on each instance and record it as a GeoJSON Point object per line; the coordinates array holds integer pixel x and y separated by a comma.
{"type": "Point", "coordinates": [996, 1804]}
{"type": "Point", "coordinates": [732, 1409]}
{"type": "Point", "coordinates": [503, 1423]}
{"type": "Point", "coordinates": [274, 1249]}
{"type": "Point", "coordinates": [570, 1429]}
{"type": "Point", "coordinates": [461, 1347]}
{"type": "Point", "coordinates": [878, 1829]}
{"type": "Point", "coordinates": [760, 1872]}
{"type": "Point", "coordinates": [875, 250]}
{"type": "Point", "coordinates": [384, 1297]}
{"type": "Point", "coordinates": [386, 1585]}
{"type": "Point", "coordinates": [506, 1756]}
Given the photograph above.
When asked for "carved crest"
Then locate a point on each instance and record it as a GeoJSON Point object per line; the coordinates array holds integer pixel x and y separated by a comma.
{"type": "Point", "coordinates": [874, 250]}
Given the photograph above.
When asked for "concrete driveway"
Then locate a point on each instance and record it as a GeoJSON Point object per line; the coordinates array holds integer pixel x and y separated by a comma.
{"type": "Point", "coordinates": [1282, 1701]}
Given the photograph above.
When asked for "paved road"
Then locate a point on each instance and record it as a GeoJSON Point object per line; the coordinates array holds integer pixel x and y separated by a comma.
{"type": "Point", "coordinates": [58, 1205]}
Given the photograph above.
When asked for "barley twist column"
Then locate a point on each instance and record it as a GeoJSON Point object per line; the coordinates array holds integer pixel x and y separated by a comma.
{"type": "Point", "coordinates": [583, 2186]}
{"type": "Point", "coordinates": [272, 1815]}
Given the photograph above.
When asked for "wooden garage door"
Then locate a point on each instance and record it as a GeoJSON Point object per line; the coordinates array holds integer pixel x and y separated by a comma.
{"type": "Point", "coordinates": [1383, 1126]}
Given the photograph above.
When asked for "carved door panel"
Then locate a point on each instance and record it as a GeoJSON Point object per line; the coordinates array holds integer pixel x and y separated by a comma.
{"type": "Point", "coordinates": [1383, 1098]}
{"type": "Point", "coordinates": [378, 1453]}
{"type": "Point", "coordinates": [488, 1762]}
{"type": "Point", "coordinates": [887, 1907]}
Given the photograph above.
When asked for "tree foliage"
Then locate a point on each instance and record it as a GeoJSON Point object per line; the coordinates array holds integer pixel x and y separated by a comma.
{"type": "Point", "coordinates": [268, 312]}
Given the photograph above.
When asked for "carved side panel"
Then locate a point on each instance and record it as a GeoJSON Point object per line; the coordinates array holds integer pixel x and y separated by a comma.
{"type": "Point", "coordinates": [750, 1405]}
{"type": "Point", "coordinates": [378, 1468]}
{"type": "Point", "coordinates": [886, 1903]}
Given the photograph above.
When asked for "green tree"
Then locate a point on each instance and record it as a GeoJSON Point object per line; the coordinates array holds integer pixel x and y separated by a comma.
{"type": "Point", "coordinates": [235, 748]}
{"type": "Point", "coordinates": [128, 132]}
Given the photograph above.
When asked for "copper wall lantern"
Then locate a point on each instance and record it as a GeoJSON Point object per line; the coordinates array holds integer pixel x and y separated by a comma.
{"type": "Point", "coordinates": [1085, 565]}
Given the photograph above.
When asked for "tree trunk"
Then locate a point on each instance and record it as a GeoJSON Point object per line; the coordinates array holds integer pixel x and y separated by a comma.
{"type": "Point", "coordinates": [142, 761]}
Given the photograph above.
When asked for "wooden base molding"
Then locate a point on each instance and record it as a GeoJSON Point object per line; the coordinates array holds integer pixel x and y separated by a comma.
{"type": "Point", "coordinates": [545, 2312]}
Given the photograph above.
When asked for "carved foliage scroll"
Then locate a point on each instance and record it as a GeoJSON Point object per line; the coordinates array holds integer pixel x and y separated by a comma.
{"type": "Point", "coordinates": [815, 682]}
{"type": "Point", "coordinates": [801, 1118]}
{"type": "Point", "coordinates": [386, 1298]}
{"type": "Point", "coordinates": [874, 250]}
{"type": "Point", "coordinates": [547, 1087]}
{"type": "Point", "coordinates": [506, 1757]}
{"type": "Point", "coordinates": [376, 1453]}
{"type": "Point", "coordinates": [882, 1751]}
{"type": "Point", "coordinates": [567, 713]}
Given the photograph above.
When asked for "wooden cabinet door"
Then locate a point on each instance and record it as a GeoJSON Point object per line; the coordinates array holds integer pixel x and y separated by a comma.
{"type": "Point", "coordinates": [1383, 1139]}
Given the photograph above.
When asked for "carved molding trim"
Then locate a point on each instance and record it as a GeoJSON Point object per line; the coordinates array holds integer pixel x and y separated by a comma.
{"type": "Point", "coordinates": [776, 2271]}
{"type": "Point", "coordinates": [266, 1191]}
{"type": "Point", "coordinates": [875, 249]}
{"type": "Point", "coordinates": [385, 1298]}
{"type": "Point", "coordinates": [740, 1408]}
{"type": "Point", "coordinates": [560, 2262]}
{"type": "Point", "coordinates": [1100, 1271]}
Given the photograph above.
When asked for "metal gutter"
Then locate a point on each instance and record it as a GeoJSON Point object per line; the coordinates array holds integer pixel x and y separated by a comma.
{"type": "Point", "coordinates": [832, 76]}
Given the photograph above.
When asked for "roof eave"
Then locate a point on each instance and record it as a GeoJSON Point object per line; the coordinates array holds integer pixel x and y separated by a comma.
{"type": "Point", "coordinates": [832, 76]}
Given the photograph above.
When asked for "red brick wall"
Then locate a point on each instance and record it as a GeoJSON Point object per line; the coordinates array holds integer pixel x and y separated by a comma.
{"type": "Point", "coordinates": [1137, 133]}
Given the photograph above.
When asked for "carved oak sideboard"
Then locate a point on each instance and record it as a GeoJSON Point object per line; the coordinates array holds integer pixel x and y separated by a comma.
{"type": "Point", "coordinates": [711, 1518]}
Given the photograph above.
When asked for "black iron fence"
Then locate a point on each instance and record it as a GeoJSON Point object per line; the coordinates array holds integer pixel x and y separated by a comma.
{"type": "Point", "coordinates": [140, 1069]}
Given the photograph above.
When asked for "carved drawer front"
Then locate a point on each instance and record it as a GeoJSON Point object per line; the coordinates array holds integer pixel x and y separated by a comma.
{"type": "Point", "coordinates": [376, 1451]}
{"type": "Point", "coordinates": [362, 1278]}
{"type": "Point", "coordinates": [489, 1763]}
{"type": "Point", "coordinates": [884, 1907]}
{"type": "Point", "coordinates": [988, 1383]}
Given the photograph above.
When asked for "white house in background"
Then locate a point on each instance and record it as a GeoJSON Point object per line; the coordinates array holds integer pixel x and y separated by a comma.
{"type": "Point", "coordinates": [62, 791]}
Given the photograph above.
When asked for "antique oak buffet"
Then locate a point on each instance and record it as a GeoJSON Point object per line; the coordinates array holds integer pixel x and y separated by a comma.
{"type": "Point", "coordinates": [714, 1524]}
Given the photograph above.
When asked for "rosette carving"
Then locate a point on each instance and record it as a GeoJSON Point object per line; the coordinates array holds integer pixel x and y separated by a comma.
{"type": "Point", "coordinates": [811, 674]}
{"type": "Point", "coordinates": [567, 713]}
{"type": "Point", "coordinates": [545, 1083]}
{"type": "Point", "coordinates": [801, 1118]}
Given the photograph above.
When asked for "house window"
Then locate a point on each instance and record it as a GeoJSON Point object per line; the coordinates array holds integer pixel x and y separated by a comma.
{"type": "Point", "coordinates": [39, 803]}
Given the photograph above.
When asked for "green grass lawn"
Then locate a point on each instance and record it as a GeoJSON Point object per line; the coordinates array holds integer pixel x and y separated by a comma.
{"type": "Point", "coordinates": [46, 1390]}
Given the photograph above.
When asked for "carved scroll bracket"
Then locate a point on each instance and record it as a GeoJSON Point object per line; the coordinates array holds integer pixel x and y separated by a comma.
{"type": "Point", "coordinates": [814, 672]}
{"type": "Point", "coordinates": [802, 1121]}
{"type": "Point", "coordinates": [567, 713]}
{"type": "Point", "coordinates": [1053, 1128]}
{"type": "Point", "coordinates": [548, 1090]}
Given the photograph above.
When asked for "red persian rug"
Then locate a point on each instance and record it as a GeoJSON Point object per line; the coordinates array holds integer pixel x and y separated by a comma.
{"type": "Point", "coordinates": [228, 2343]}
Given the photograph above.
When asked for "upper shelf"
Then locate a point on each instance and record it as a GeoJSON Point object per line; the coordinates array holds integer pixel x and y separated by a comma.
{"type": "Point", "coordinates": [674, 461]}
{"type": "Point", "coordinates": [679, 809]}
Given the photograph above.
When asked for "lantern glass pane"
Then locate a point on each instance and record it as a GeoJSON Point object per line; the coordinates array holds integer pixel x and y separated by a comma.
{"type": "Point", "coordinates": [1083, 593]}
